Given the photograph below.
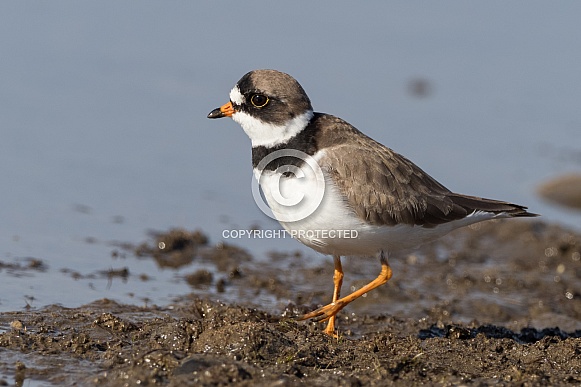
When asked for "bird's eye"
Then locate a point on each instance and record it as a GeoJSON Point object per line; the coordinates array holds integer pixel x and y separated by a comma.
{"type": "Point", "coordinates": [259, 100]}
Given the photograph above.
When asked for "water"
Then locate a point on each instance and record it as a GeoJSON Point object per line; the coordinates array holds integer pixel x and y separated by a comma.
{"type": "Point", "coordinates": [103, 129]}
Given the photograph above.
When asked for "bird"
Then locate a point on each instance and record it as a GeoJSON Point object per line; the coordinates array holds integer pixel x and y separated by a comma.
{"type": "Point", "coordinates": [337, 190]}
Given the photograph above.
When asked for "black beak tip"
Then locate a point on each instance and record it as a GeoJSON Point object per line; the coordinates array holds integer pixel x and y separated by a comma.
{"type": "Point", "coordinates": [216, 113]}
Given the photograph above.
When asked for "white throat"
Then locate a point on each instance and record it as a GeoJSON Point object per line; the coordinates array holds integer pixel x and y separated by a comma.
{"type": "Point", "coordinates": [269, 135]}
{"type": "Point", "coordinates": [262, 133]}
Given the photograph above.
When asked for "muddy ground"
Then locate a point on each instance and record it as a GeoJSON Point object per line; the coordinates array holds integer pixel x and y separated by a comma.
{"type": "Point", "coordinates": [496, 303]}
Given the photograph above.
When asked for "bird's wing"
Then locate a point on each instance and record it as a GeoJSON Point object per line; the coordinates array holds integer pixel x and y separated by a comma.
{"type": "Point", "coordinates": [385, 188]}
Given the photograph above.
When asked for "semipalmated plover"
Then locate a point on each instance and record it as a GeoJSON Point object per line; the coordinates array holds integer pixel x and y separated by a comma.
{"type": "Point", "coordinates": [357, 197]}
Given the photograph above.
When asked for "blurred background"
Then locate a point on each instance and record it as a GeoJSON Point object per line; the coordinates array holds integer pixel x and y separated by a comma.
{"type": "Point", "coordinates": [104, 136]}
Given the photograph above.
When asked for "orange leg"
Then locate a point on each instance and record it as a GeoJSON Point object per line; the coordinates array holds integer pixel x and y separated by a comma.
{"type": "Point", "coordinates": [338, 281]}
{"type": "Point", "coordinates": [328, 312]}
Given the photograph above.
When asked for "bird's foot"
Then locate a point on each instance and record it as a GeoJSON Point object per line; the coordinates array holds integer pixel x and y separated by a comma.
{"type": "Point", "coordinates": [325, 313]}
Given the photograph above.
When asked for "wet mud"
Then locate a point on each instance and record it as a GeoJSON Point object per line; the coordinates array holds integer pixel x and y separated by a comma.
{"type": "Point", "coordinates": [495, 303]}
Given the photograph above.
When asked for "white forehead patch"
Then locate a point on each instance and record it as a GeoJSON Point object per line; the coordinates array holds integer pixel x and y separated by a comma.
{"type": "Point", "coordinates": [269, 135]}
{"type": "Point", "coordinates": [236, 96]}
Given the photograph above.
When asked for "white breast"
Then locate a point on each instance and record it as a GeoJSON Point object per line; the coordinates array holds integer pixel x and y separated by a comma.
{"type": "Point", "coordinates": [327, 223]}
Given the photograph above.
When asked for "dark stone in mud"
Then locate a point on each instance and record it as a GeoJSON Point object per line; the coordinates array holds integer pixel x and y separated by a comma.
{"type": "Point", "coordinates": [215, 371]}
{"type": "Point", "coordinates": [526, 335]}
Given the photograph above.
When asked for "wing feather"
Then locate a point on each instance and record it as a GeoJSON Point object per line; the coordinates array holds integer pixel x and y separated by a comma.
{"type": "Point", "coordinates": [385, 188]}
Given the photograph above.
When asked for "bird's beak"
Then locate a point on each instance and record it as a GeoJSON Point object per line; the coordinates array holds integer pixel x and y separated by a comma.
{"type": "Point", "coordinates": [225, 110]}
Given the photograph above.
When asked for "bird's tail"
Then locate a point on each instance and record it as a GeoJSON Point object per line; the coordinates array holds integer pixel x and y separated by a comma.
{"type": "Point", "coordinates": [473, 203]}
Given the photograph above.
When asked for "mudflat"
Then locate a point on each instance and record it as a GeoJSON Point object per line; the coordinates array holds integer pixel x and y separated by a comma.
{"type": "Point", "coordinates": [495, 303]}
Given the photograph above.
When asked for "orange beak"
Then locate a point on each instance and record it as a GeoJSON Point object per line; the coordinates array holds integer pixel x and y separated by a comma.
{"type": "Point", "coordinates": [225, 110]}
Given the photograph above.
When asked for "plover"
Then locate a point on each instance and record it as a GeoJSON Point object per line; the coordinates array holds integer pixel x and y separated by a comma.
{"type": "Point", "coordinates": [356, 196]}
